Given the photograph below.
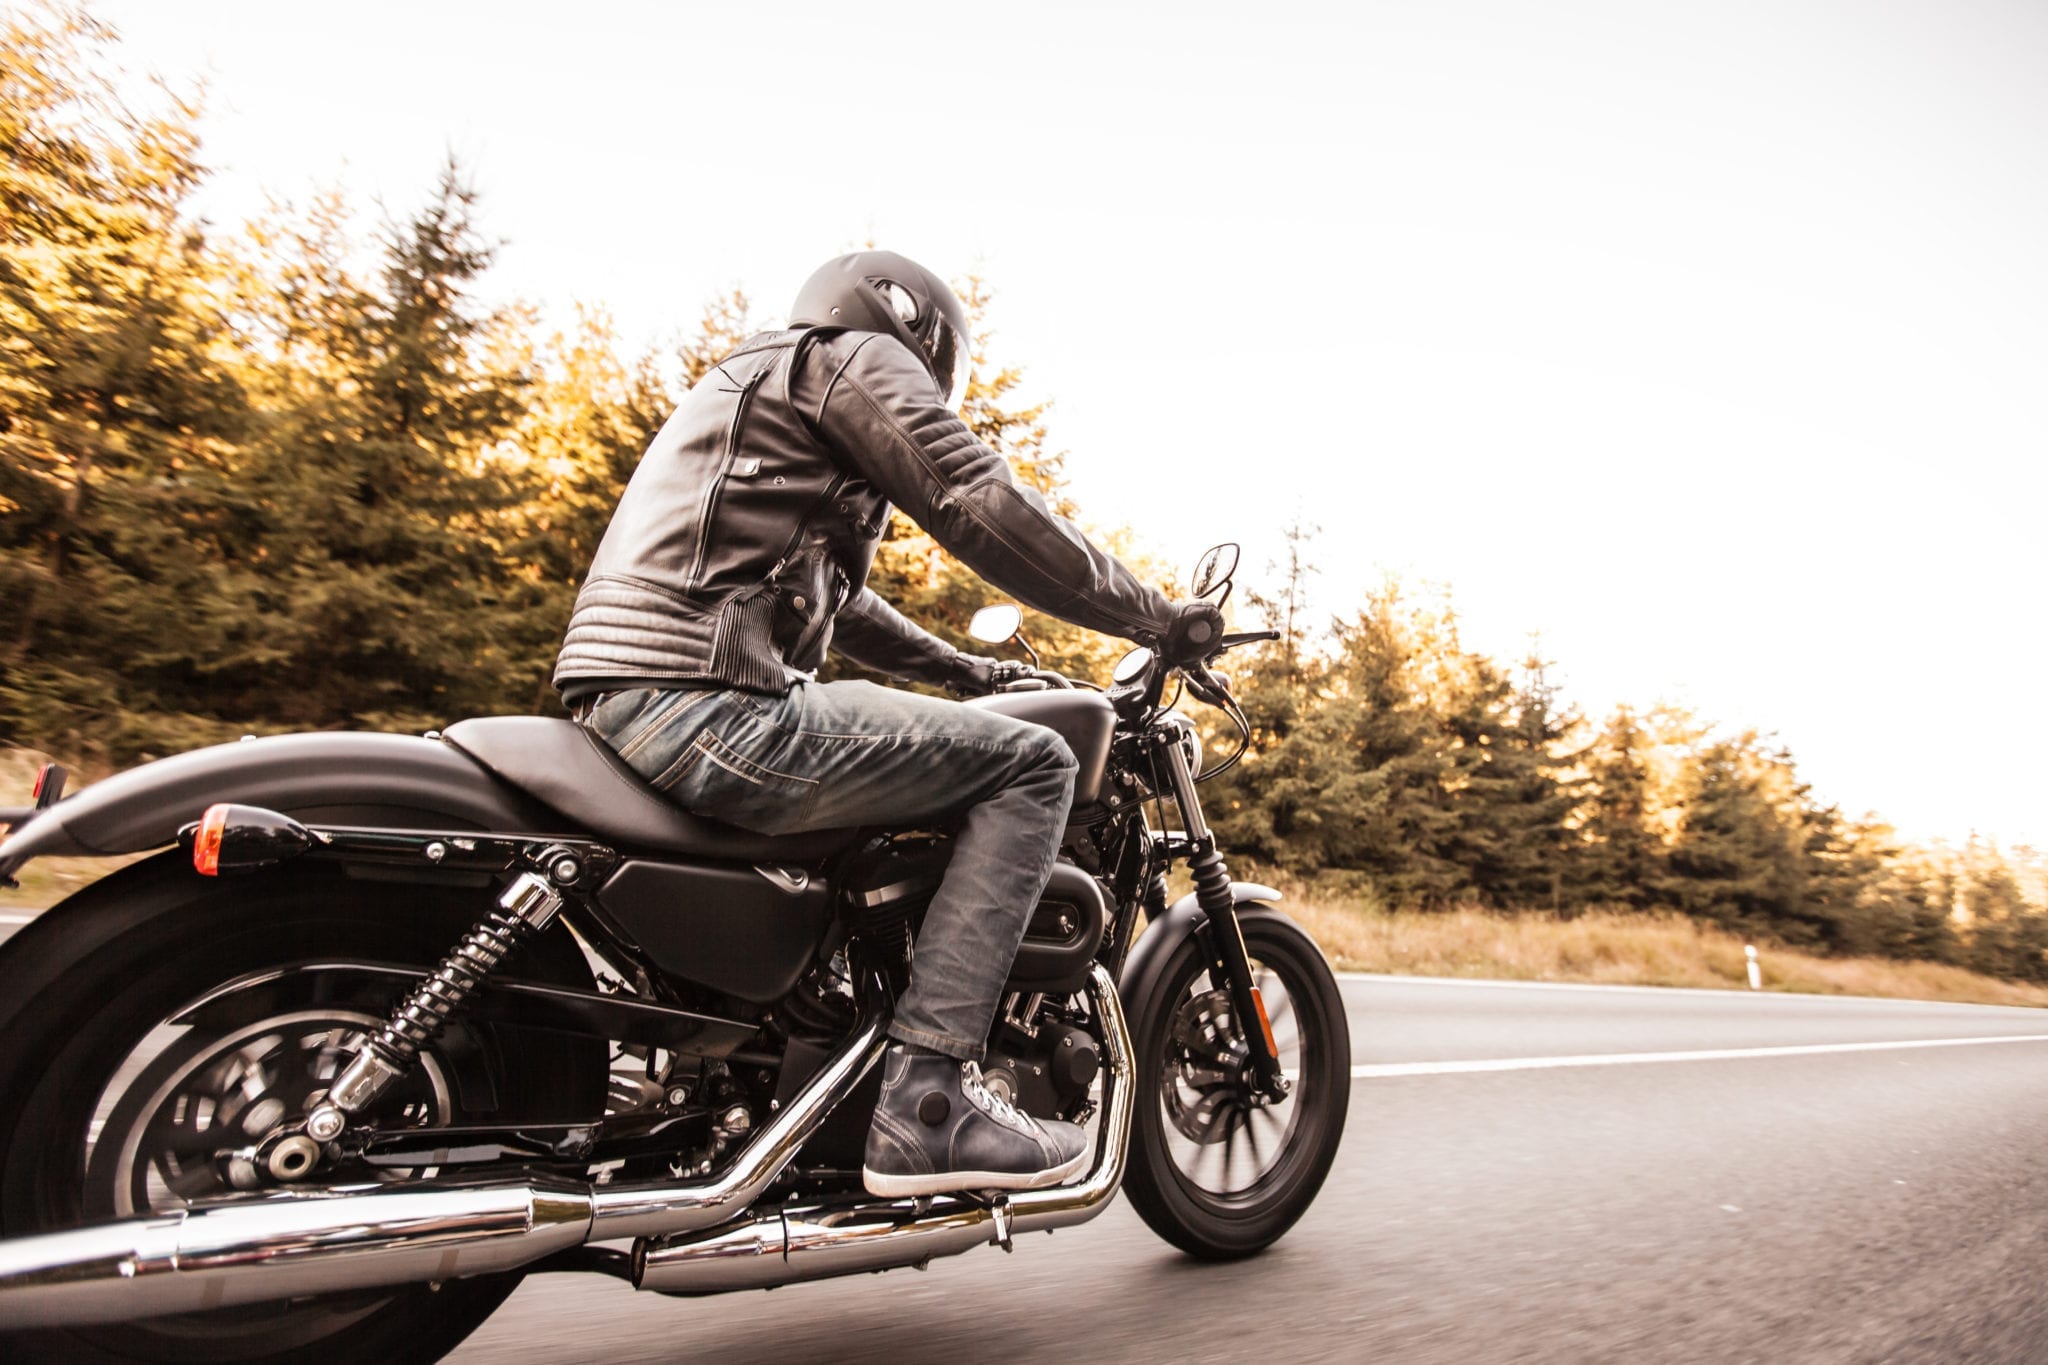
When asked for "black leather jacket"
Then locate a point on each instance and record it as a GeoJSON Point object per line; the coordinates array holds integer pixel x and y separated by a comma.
{"type": "Point", "coordinates": [745, 536]}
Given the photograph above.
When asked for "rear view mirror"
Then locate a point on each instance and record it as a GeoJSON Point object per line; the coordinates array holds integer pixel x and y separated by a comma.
{"type": "Point", "coordinates": [993, 625]}
{"type": "Point", "coordinates": [1215, 569]}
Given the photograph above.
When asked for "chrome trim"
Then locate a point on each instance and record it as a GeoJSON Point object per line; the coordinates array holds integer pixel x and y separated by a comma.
{"type": "Point", "coordinates": [790, 879]}
{"type": "Point", "coordinates": [320, 1241]}
{"type": "Point", "coordinates": [657, 1210]}
{"type": "Point", "coordinates": [1175, 759]}
{"type": "Point", "coordinates": [823, 1241]}
{"type": "Point", "coordinates": [280, 1247]}
{"type": "Point", "coordinates": [532, 899]}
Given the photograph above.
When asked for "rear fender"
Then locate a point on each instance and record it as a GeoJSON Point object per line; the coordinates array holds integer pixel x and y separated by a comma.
{"type": "Point", "coordinates": [340, 778]}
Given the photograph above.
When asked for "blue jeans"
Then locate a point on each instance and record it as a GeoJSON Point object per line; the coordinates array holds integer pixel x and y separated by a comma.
{"type": "Point", "coordinates": [841, 754]}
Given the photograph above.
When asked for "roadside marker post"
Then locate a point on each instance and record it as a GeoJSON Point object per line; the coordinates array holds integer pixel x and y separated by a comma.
{"type": "Point", "coordinates": [1756, 973]}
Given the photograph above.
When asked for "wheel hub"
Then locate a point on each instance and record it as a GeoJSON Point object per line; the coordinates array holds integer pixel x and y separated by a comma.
{"type": "Point", "coordinates": [227, 1113]}
{"type": "Point", "coordinates": [1209, 1087]}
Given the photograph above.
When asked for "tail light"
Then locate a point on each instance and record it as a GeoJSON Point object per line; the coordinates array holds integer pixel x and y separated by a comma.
{"type": "Point", "coordinates": [49, 788]}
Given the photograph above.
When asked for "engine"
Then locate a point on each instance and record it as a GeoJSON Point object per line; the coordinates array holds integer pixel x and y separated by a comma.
{"type": "Point", "coordinates": [1040, 1063]}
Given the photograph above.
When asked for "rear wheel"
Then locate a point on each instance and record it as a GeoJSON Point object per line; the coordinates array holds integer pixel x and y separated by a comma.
{"type": "Point", "coordinates": [111, 1106]}
{"type": "Point", "coordinates": [1214, 1169]}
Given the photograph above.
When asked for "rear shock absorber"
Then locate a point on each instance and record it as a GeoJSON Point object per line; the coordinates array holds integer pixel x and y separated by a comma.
{"type": "Point", "coordinates": [526, 908]}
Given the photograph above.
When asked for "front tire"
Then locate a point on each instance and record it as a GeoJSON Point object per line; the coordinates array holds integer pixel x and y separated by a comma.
{"type": "Point", "coordinates": [1211, 1171]}
{"type": "Point", "coordinates": [98, 1091]}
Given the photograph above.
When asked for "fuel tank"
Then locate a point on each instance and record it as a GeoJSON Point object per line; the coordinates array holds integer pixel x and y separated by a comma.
{"type": "Point", "coordinates": [1084, 719]}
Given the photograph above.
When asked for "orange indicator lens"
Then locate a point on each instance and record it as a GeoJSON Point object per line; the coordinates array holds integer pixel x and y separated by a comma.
{"type": "Point", "coordinates": [206, 848]}
{"type": "Point", "coordinates": [1272, 1048]}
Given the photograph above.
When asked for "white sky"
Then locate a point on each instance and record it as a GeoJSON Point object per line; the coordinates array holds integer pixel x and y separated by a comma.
{"type": "Point", "coordinates": [1708, 339]}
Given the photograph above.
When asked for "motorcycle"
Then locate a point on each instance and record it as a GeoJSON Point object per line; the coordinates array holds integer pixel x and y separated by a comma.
{"type": "Point", "coordinates": [392, 1022]}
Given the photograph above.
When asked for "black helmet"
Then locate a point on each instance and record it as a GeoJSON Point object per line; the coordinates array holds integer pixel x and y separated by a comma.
{"type": "Point", "coordinates": [879, 291]}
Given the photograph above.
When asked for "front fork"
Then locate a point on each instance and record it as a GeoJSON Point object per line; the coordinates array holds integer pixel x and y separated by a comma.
{"type": "Point", "coordinates": [1221, 940]}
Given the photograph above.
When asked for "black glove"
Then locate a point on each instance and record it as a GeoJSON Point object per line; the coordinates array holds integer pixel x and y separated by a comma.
{"type": "Point", "coordinates": [972, 676]}
{"type": "Point", "coordinates": [1192, 636]}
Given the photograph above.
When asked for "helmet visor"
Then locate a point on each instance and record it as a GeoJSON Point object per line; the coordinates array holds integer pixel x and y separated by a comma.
{"type": "Point", "coordinates": [951, 361]}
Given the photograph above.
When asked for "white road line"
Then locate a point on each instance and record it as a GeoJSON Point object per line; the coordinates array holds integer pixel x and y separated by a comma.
{"type": "Point", "coordinates": [16, 919]}
{"type": "Point", "coordinates": [1729, 992]}
{"type": "Point", "coordinates": [1380, 1070]}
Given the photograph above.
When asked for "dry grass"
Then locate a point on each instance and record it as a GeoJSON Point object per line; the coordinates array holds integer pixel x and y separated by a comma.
{"type": "Point", "coordinates": [1622, 949]}
{"type": "Point", "coordinates": [45, 881]}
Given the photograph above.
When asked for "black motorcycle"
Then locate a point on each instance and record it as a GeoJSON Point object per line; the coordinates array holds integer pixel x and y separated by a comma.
{"type": "Point", "coordinates": [398, 1021]}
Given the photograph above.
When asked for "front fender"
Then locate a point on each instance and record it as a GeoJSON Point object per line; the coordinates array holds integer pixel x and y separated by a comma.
{"type": "Point", "coordinates": [331, 777]}
{"type": "Point", "coordinates": [1165, 934]}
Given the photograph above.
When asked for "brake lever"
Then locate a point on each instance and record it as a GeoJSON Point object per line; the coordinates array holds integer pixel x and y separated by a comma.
{"type": "Point", "coordinates": [1206, 685]}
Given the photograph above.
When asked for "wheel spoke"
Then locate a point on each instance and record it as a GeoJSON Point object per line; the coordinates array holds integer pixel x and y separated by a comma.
{"type": "Point", "coordinates": [191, 1183]}
{"type": "Point", "coordinates": [1284, 1009]}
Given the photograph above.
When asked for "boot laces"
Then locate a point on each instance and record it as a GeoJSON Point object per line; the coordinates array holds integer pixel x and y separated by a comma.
{"type": "Point", "coordinates": [990, 1103]}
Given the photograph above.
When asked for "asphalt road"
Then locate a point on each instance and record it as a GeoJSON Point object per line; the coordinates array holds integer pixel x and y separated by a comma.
{"type": "Point", "coordinates": [1868, 1205]}
{"type": "Point", "coordinates": [1850, 1200]}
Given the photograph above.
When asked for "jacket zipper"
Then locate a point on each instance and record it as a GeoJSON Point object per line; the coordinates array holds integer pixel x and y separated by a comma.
{"type": "Point", "coordinates": [732, 448]}
{"type": "Point", "coordinates": [804, 523]}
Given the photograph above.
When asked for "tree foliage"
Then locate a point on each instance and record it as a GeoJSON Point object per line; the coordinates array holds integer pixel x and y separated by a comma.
{"type": "Point", "coordinates": [303, 476]}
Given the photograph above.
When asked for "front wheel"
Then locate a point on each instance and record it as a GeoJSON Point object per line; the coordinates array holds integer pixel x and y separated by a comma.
{"type": "Point", "coordinates": [1215, 1171]}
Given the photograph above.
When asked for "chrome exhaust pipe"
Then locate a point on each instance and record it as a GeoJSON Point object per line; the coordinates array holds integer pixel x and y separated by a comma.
{"type": "Point", "coordinates": [816, 1242]}
{"type": "Point", "coordinates": [281, 1248]}
{"type": "Point", "coordinates": [324, 1241]}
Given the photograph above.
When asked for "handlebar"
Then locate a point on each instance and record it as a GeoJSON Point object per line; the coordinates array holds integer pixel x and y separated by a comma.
{"type": "Point", "coordinates": [1012, 676]}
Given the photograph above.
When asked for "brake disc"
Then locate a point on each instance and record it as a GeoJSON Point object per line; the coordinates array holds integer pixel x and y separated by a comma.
{"type": "Point", "coordinates": [1205, 1090]}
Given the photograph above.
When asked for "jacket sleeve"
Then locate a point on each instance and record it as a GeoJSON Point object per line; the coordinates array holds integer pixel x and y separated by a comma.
{"type": "Point", "coordinates": [880, 412]}
{"type": "Point", "coordinates": [875, 635]}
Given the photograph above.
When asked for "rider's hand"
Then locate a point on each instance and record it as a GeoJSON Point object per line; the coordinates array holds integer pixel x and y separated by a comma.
{"type": "Point", "coordinates": [973, 676]}
{"type": "Point", "coordinates": [1192, 636]}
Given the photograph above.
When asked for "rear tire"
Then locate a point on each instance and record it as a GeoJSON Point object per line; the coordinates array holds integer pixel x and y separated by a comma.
{"type": "Point", "coordinates": [1191, 1108]}
{"type": "Point", "coordinates": [84, 991]}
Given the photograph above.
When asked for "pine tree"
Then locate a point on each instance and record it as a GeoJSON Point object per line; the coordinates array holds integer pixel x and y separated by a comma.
{"type": "Point", "coordinates": [113, 397]}
{"type": "Point", "coordinates": [590, 416]}
{"type": "Point", "coordinates": [390, 581]}
{"type": "Point", "coordinates": [1518, 793]}
{"type": "Point", "coordinates": [1620, 861]}
{"type": "Point", "coordinates": [1737, 859]}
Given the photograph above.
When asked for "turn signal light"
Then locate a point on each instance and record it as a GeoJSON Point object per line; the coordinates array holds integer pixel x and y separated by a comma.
{"type": "Point", "coordinates": [206, 845]}
{"type": "Point", "coordinates": [230, 838]}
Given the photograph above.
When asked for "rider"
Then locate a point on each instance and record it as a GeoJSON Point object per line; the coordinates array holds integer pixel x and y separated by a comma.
{"type": "Point", "coordinates": [740, 551]}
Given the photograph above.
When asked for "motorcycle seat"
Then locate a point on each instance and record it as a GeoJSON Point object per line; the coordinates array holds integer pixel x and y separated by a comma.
{"type": "Point", "coordinates": [573, 772]}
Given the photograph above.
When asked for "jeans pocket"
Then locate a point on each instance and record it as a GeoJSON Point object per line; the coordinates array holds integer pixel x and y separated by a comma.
{"type": "Point", "coordinates": [641, 741]}
{"type": "Point", "coordinates": [720, 775]}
